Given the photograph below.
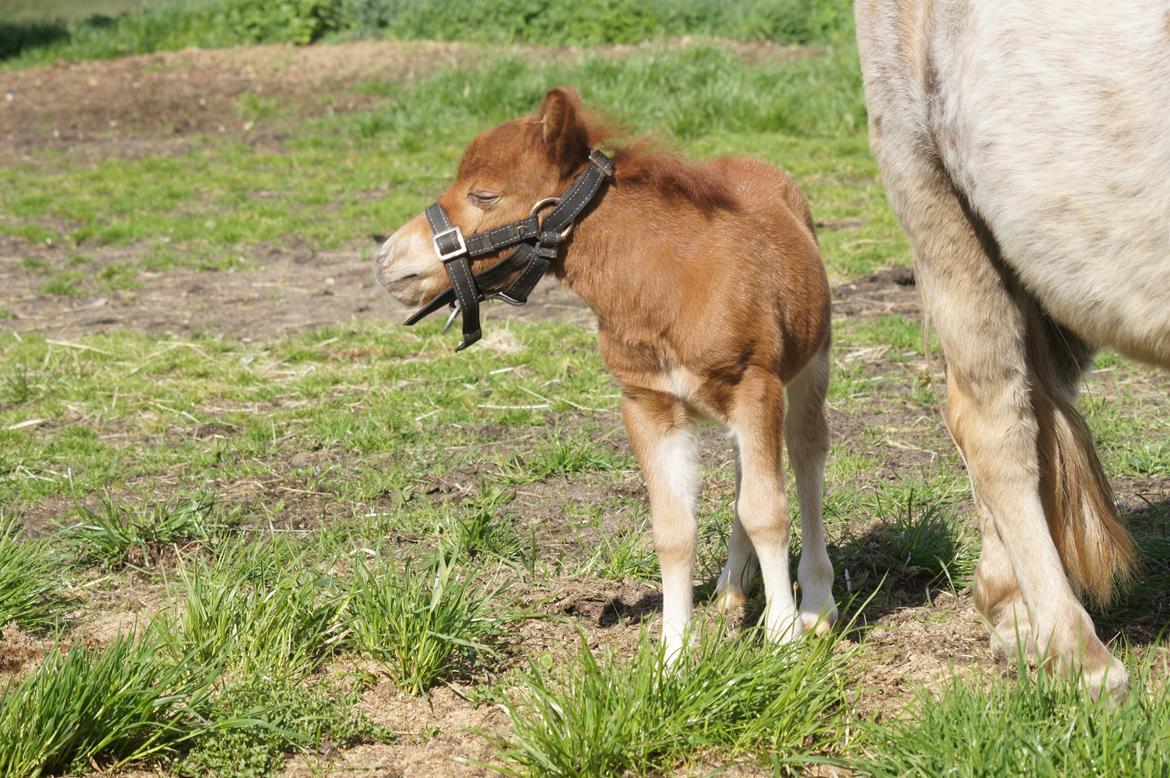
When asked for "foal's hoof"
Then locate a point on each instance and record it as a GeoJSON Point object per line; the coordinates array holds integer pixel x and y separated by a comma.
{"type": "Point", "coordinates": [819, 624]}
{"type": "Point", "coordinates": [729, 600]}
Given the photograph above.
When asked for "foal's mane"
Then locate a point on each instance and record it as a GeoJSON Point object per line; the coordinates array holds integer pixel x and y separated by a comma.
{"type": "Point", "coordinates": [644, 162]}
{"type": "Point", "coordinates": [637, 164]}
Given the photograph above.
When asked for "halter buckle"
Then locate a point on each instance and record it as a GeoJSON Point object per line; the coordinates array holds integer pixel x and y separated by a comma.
{"type": "Point", "coordinates": [460, 246]}
{"type": "Point", "coordinates": [602, 162]}
{"type": "Point", "coordinates": [545, 203]}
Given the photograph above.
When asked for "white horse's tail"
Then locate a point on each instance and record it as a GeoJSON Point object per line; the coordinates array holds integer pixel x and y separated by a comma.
{"type": "Point", "coordinates": [1093, 541]}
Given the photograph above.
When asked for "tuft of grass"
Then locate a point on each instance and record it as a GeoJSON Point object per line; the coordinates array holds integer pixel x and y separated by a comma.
{"type": "Point", "coordinates": [1035, 725]}
{"type": "Point", "coordinates": [116, 534]}
{"type": "Point", "coordinates": [276, 717]}
{"type": "Point", "coordinates": [733, 695]}
{"type": "Point", "coordinates": [916, 539]}
{"type": "Point", "coordinates": [19, 385]}
{"type": "Point", "coordinates": [260, 609]}
{"type": "Point", "coordinates": [67, 283]}
{"type": "Point", "coordinates": [29, 575]}
{"type": "Point", "coordinates": [424, 623]}
{"type": "Point", "coordinates": [483, 531]}
{"type": "Point", "coordinates": [108, 706]}
{"type": "Point", "coordinates": [625, 556]}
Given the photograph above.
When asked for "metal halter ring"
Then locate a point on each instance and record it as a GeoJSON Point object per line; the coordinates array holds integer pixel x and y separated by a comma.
{"type": "Point", "coordinates": [545, 203]}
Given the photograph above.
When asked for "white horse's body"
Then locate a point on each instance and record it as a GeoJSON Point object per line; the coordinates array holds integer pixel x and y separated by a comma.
{"type": "Point", "coordinates": [1060, 125]}
{"type": "Point", "coordinates": [1026, 149]}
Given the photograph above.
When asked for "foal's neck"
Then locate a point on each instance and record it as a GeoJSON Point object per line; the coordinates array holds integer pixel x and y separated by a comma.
{"type": "Point", "coordinates": [610, 261]}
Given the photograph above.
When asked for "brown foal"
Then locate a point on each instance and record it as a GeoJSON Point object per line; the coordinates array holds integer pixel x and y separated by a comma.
{"type": "Point", "coordinates": [712, 303]}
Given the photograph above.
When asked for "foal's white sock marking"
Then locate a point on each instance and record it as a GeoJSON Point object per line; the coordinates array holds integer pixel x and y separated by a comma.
{"type": "Point", "coordinates": [678, 467]}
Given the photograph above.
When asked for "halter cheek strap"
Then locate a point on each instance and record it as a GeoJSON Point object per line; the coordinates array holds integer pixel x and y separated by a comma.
{"type": "Point", "coordinates": [537, 243]}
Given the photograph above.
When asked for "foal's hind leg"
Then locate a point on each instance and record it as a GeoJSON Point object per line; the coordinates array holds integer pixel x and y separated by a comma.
{"type": "Point", "coordinates": [806, 432]}
{"type": "Point", "coordinates": [757, 418]}
{"type": "Point", "coordinates": [742, 566]}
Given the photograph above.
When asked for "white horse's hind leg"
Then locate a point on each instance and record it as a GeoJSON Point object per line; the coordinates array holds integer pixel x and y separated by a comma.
{"type": "Point", "coordinates": [660, 434]}
{"type": "Point", "coordinates": [806, 433]}
{"type": "Point", "coordinates": [998, 598]}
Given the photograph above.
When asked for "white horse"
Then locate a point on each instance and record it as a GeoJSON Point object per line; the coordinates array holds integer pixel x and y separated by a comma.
{"type": "Point", "coordinates": [1025, 148]}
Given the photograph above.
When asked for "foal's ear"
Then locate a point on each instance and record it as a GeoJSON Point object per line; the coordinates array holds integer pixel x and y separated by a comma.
{"type": "Point", "coordinates": [565, 134]}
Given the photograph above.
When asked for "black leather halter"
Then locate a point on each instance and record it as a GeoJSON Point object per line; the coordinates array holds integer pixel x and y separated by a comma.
{"type": "Point", "coordinates": [538, 244]}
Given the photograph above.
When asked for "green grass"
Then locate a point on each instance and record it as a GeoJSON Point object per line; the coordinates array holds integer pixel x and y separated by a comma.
{"type": "Point", "coordinates": [423, 622]}
{"type": "Point", "coordinates": [562, 455]}
{"type": "Point", "coordinates": [733, 696]}
{"type": "Point", "coordinates": [121, 703]}
{"type": "Point", "coordinates": [277, 717]}
{"type": "Point", "coordinates": [1030, 726]}
{"type": "Point", "coordinates": [37, 36]}
{"type": "Point", "coordinates": [168, 391]}
{"type": "Point", "coordinates": [342, 177]}
{"type": "Point", "coordinates": [921, 539]}
{"type": "Point", "coordinates": [115, 534]}
{"type": "Point", "coordinates": [482, 531]}
{"type": "Point", "coordinates": [624, 556]}
{"type": "Point", "coordinates": [30, 580]}
{"type": "Point", "coordinates": [260, 608]}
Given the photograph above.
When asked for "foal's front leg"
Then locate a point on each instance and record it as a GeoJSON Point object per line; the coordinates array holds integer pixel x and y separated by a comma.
{"type": "Point", "coordinates": [660, 434]}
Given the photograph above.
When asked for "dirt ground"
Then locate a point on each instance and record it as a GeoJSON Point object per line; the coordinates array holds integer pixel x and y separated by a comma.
{"type": "Point", "coordinates": [147, 105]}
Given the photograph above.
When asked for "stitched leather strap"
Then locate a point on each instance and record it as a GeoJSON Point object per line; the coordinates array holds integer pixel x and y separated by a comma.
{"type": "Point", "coordinates": [539, 242]}
{"type": "Point", "coordinates": [452, 250]}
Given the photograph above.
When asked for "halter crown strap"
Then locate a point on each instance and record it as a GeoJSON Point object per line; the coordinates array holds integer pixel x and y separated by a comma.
{"type": "Point", "coordinates": [539, 242]}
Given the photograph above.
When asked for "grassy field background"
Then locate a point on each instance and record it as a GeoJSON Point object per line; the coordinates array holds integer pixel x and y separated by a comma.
{"type": "Point", "coordinates": [251, 526]}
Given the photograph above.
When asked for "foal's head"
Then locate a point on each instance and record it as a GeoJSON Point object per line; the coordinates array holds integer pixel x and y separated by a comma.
{"type": "Point", "coordinates": [504, 172]}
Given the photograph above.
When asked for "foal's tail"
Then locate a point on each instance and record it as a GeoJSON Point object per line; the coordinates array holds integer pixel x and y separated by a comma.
{"type": "Point", "coordinates": [1092, 540]}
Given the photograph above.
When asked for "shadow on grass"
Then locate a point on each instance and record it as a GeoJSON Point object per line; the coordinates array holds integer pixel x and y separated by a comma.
{"type": "Point", "coordinates": [1141, 615]}
{"type": "Point", "coordinates": [908, 558]}
{"type": "Point", "coordinates": [618, 611]}
{"type": "Point", "coordinates": [18, 37]}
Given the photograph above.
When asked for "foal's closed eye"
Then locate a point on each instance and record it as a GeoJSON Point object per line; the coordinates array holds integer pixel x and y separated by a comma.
{"type": "Point", "coordinates": [483, 200]}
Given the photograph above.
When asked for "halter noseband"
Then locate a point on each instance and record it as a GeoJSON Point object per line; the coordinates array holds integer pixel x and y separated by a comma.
{"type": "Point", "coordinates": [538, 242]}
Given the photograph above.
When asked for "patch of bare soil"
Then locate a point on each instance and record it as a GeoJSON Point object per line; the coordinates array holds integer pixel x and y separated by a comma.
{"type": "Point", "coordinates": [19, 652]}
{"type": "Point", "coordinates": [282, 291]}
{"type": "Point", "coordinates": [891, 291]}
{"type": "Point", "coordinates": [436, 737]}
{"type": "Point", "coordinates": [920, 647]}
{"type": "Point", "coordinates": [142, 104]}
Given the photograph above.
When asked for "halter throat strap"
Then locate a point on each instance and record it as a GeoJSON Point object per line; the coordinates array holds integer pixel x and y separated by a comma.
{"type": "Point", "coordinates": [537, 244]}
